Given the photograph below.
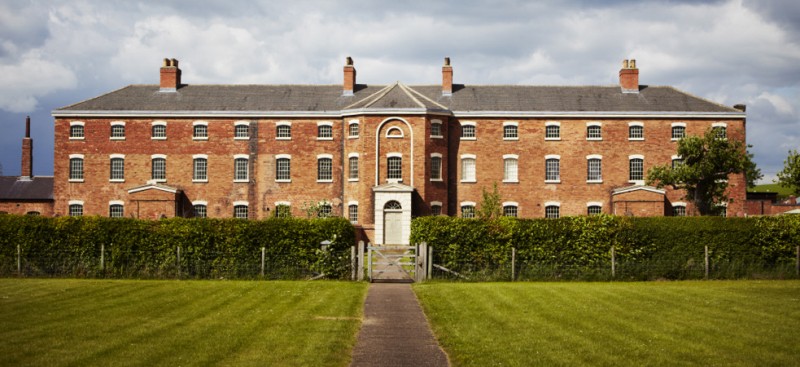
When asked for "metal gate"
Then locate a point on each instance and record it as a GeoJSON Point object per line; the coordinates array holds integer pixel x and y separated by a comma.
{"type": "Point", "coordinates": [396, 263]}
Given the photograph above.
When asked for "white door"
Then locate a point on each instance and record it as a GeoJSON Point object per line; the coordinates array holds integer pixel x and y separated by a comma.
{"type": "Point", "coordinates": [392, 228]}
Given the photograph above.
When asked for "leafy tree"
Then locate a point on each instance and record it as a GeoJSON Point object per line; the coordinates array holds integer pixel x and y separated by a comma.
{"type": "Point", "coordinates": [492, 204]}
{"type": "Point", "coordinates": [790, 175]}
{"type": "Point", "coordinates": [707, 161]}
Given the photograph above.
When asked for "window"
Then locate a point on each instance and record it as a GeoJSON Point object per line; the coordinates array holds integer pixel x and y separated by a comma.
{"type": "Point", "coordinates": [721, 129]}
{"type": "Point", "coordinates": [324, 131]}
{"type": "Point", "coordinates": [200, 168]}
{"type": "Point", "coordinates": [283, 168]}
{"type": "Point", "coordinates": [552, 169]}
{"type": "Point", "coordinates": [594, 168]}
{"type": "Point", "coordinates": [436, 208]}
{"type": "Point", "coordinates": [676, 161]}
{"type": "Point", "coordinates": [394, 166]}
{"type": "Point", "coordinates": [436, 167]}
{"type": "Point", "coordinates": [241, 130]}
{"type": "Point", "coordinates": [679, 209]}
{"type": "Point", "coordinates": [635, 131]}
{"type": "Point", "coordinates": [394, 132]}
{"type": "Point", "coordinates": [118, 130]}
{"type": "Point", "coordinates": [468, 210]}
{"type": "Point", "coordinates": [159, 168]}
{"type": "Point", "coordinates": [551, 210]}
{"type": "Point", "coordinates": [468, 168]}
{"type": "Point", "coordinates": [353, 129]}
{"type": "Point", "coordinates": [510, 131]}
{"type": "Point", "coordinates": [352, 213]}
{"type": "Point", "coordinates": [76, 167]}
{"type": "Point", "coordinates": [283, 210]}
{"type": "Point", "coordinates": [510, 168]}
{"type": "Point", "coordinates": [240, 168]}
{"type": "Point", "coordinates": [352, 167]}
{"type": "Point", "coordinates": [324, 168]}
{"type": "Point", "coordinates": [594, 208]}
{"type": "Point", "coordinates": [594, 131]}
{"type": "Point", "coordinates": [116, 210]}
{"type": "Point", "coordinates": [33, 213]}
{"type": "Point", "coordinates": [636, 168]}
{"type": "Point", "coordinates": [283, 130]}
{"type": "Point", "coordinates": [468, 131]}
{"type": "Point", "coordinates": [200, 209]}
{"type": "Point", "coordinates": [200, 130]}
{"type": "Point", "coordinates": [436, 129]}
{"type": "Point", "coordinates": [75, 208]}
{"type": "Point", "coordinates": [325, 210]}
{"type": "Point", "coordinates": [510, 209]}
{"type": "Point", "coordinates": [552, 130]}
{"type": "Point", "coordinates": [117, 168]}
{"type": "Point", "coordinates": [240, 210]}
{"type": "Point", "coordinates": [159, 130]}
{"type": "Point", "coordinates": [678, 130]}
{"type": "Point", "coordinates": [76, 131]}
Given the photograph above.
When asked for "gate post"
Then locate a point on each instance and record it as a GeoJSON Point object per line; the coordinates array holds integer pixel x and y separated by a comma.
{"type": "Point", "coordinates": [353, 262]}
{"type": "Point", "coordinates": [416, 263]}
{"type": "Point", "coordinates": [423, 253]}
{"type": "Point", "coordinates": [360, 266]}
{"type": "Point", "coordinates": [369, 262]}
{"type": "Point", "coordinates": [429, 261]}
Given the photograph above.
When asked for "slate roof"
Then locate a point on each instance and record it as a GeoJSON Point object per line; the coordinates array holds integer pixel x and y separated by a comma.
{"type": "Point", "coordinates": [329, 99]}
{"type": "Point", "coordinates": [35, 189]}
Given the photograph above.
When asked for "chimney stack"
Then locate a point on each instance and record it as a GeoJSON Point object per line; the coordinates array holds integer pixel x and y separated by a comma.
{"type": "Point", "coordinates": [349, 77]}
{"type": "Point", "coordinates": [27, 152]}
{"type": "Point", "coordinates": [447, 78]}
{"type": "Point", "coordinates": [629, 77]}
{"type": "Point", "coordinates": [170, 76]}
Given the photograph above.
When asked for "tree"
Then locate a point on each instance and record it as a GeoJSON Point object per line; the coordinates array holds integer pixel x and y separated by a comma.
{"type": "Point", "coordinates": [707, 161]}
{"type": "Point", "coordinates": [790, 175]}
{"type": "Point", "coordinates": [492, 204]}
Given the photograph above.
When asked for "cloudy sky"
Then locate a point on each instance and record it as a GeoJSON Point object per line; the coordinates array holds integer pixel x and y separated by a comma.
{"type": "Point", "coordinates": [55, 53]}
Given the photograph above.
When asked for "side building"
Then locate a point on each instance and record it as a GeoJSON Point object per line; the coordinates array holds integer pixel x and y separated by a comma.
{"type": "Point", "coordinates": [378, 154]}
{"type": "Point", "coordinates": [26, 194]}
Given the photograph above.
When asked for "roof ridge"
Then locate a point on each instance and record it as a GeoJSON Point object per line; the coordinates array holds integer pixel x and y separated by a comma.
{"type": "Point", "coordinates": [377, 96]}
{"type": "Point", "coordinates": [428, 99]}
{"type": "Point", "coordinates": [405, 89]}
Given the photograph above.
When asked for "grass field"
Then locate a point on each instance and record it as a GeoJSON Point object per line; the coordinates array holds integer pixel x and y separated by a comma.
{"type": "Point", "coordinates": [782, 191]}
{"type": "Point", "coordinates": [58, 322]}
{"type": "Point", "coordinates": [717, 323]}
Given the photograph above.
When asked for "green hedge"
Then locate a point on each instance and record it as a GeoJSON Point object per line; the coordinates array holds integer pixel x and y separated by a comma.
{"type": "Point", "coordinates": [210, 248]}
{"type": "Point", "coordinates": [580, 247]}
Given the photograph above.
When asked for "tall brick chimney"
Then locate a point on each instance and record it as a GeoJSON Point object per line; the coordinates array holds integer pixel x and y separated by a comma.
{"type": "Point", "coordinates": [349, 77]}
{"type": "Point", "coordinates": [170, 76]}
{"type": "Point", "coordinates": [629, 77]}
{"type": "Point", "coordinates": [27, 152]}
{"type": "Point", "coordinates": [447, 78]}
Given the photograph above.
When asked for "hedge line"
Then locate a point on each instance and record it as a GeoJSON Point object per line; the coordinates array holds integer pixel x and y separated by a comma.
{"type": "Point", "coordinates": [210, 248]}
{"type": "Point", "coordinates": [645, 248]}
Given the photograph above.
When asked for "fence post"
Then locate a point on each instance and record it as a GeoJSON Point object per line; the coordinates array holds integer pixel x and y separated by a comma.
{"type": "Point", "coordinates": [430, 262]}
{"type": "Point", "coordinates": [360, 266]}
{"type": "Point", "coordinates": [102, 257]}
{"type": "Point", "coordinates": [369, 263]}
{"type": "Point", "coordinates": [797, 263]}
{"type": "Point", "coordinates": [706, 255]}
{"type": "Point", "coordinates": [416, 262]}
{"type": "Point", "coordinates": [263, 255]}
{"type": "Point", "coordinates": [513, 263]}
{"type": "Point", "coordinates": [613, 262]}
{"type": "Point", "coordinates": [179, 262]}
{"type": "Point", "coordinates": [353, 262]}
{"type": "Point", "coordinates": [19, 261]}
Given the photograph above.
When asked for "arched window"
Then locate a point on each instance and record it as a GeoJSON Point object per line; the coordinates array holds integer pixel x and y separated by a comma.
{"type": "Point", "coordinates": [200, 130]}
{"type": "Point", "coordinates": [324, 169]}
{"type": "Point", "coordinates": [636, 168]}
{"type": "Point", "coordinates": [510, 168]}
{"type": "Point", "coordinates": [240, 210]}
{"type": "Point", "coordinates": [159, 168]}
{"type": "Point", "coordinates": [678, 130]}
{"type": "Point", "coordinates": [325, 210]}
{"type": "Point", "coordinates": [594, 168]}
{"type": "Point", "coordinates": [594, 131]}
{"type": "Point", "coordinates": [552, 166]}
{"type": "Point", "coordinates": [116, 211]}
{"type": "Point", "coordinates": [117, 169]}
{"type": "Point", "coordinates": [283, 168]}
{"type": "Point", "coordinates": [468, 210]}
{"type": "Point", "coordinates": [76, 167]}
{"type": "Point", "coordinates": [352, 168]}
{"type": "Point", "coordinates": [159, 130]}
{"type": "Point", "coordinates": [392, 205]}
{"type": "Point", "coordinates": [551, 211]}
{"type": "Point", "coordinates": [241, 169]}
{"type": "Point", "coordinates": [241, 130]}
{"type": "Point", "coordinates": [352, 213]}
{"type": "Point", "coordinates": [636, 132]}
{"type": "Point", "coordinates": [200, 168]}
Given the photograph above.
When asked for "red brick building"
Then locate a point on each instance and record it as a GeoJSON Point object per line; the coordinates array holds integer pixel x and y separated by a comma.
{"type": "Point", "coordinates": [26, 194]}
{"type": "Point", "coordinates": [378, 154]}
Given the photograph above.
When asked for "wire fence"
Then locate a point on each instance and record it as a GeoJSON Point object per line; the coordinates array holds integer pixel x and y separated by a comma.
{"type": "Point", "coordinates": [109, 262]}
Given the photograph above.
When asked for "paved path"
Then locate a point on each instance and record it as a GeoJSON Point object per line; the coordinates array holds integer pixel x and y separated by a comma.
{"type": "Point", "coordinates": [395, 332]}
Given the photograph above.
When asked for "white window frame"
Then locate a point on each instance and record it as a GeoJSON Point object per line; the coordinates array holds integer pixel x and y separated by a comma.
{"type": "Point", "coordinates": [589, 158]}
{"type": "Point", "coordinates": [439, 156]}
{"type": "Point", "coordinates": [594, 203]}
{"type": "Point", "coordinates": [283, 123]}
{"type": "Point", "coordinates": [630, 158]}
{"type": "Point", "coordinates": [111, 159]}
{"type": "Point", "coordinates": [246, 159]}
{"type": "Point", "coordinates": [474, 130]}
{"type": "Point", "coordinates": [117, 123]}
{"type": "Point", "coordinates": [350, 205]}
{"type": "Point", "coordinates": [394, 155]}
{"type": "Point", "coordinates": [279, 157]}
{"type": "Point", "coordinates": [674, 158]}
{"type": "Point", "coordinates": [467, 204]}
{"type": "Point", "coordinates": [77, 123]}
{"type": "Point", "coordinates": [506, 178]}
{"type": "Point", "coordinates": [198, 203]}
{"type": "Point", "coordinates": [511, 204]}
{"type": "Point", "coordinates": [240, 204]}
{"type": "Point", "coordinates": [116, 202]}
{"type": "Point", "coordinates": [350, 124]}
{"type": "Point", "coordinates": [474, 176]}
{"type": "Point", "coordinates": [723, 125]}
{"type": "Point", "coordinates": [158, 156]}
{"type": "Point", "coordinates": [74, 202]}
{"type": "Point", "coordinates": [632, 124]}
{"type": "Point", "coordinates": [199, 123]}
{"type": "Point", "coordinates": [282, 203]}
{"type": "Point", "coordinates": [673, 126]}
{"type": "Point", "coordinates": [558, 159]}
{"type": "Point", "coordinates": [679, 204]}
{"type": "Point", "coordinates": [194, 167]}
{"type": "Point", "coordinates": [320, 157]}
{"type": "Point", "coordinates": [152, 127]}
{"type": "Point", "coordinates": [390, 135]}
{"type": "Point", "coordinates": [83, 167]}
{"type": "Point", "coordinates": [552, 204]}
{"type": "Point", "coordinates": [350, 177]}
{"type": "Point", "coordinates": [439, 123]}
{"type": "Point", "coordinates": [321, 124]}
{"type": "Point", "coordinates": [436, 204]}
{"type": "Point", "coordinates": [516, 129]}
{"type": "Point", "coordinates": [591, 124]}
{"type": "Point", "coordinates": [552, 123]}
{"type": "Point", "coordinates": [235, 128]}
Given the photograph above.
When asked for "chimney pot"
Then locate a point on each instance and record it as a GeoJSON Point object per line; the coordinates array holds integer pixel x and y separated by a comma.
{"type": "Point", "coordinates": [447, 78]}
{"type": "Point", "coordinates": [28, 127]}
{"type": "Point", "coordinates": [27, 152]}
{"type": "Point", "coordinates": [740, 107]}
{"type": "Point", "coordinates": [170, 76]}
{"type": "Point", "coordinates": [629, 77]}
{"type": "Point", "coordinates": [349, 84]}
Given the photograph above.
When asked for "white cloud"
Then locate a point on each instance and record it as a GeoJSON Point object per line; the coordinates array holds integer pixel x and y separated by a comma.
{"type": "Point", "coordinates": [30, 78]}
{"type": "Point", "coordinates": [779, 103]}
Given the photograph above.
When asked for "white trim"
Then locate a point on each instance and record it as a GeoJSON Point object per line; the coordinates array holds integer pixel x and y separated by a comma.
{"type": "Point", "coordinates": [552, 203]}
{"type": "Point", "coordinates": [635, 123]}
{"type": "Point", "coordinates": [200, 202]}
{"type": "Point", "coordinates": [552, 156]}
{"type": "Point", "coordinates": [467, 203]}
{"type": "Point", "coordinates": [469, 123]}
{"type": "Point", "coordinates": [352, 202]}
{"type": "Point", "coordinates": [116, 202]}
{"type": "Point", "coordinates": [681, 124]}
{"type": "Point", "coordinates": [468, 156]}
{"type": "Point", "coordinates": [286, 203]}
{"type": "Point", "coordinates": [510, 156]}
{"type": "Point", "coordinates": [241, 202]}
{"type": "Point", "coordinates": [199, 156]}
{"type": "Point", "coordinates": [594, 156]}
{"type": "Point", "coordinates": [351, 123]}
{"type": "Point", "coordinates": [75, 202]}
{"type": "Point", "coordinates": [510, 123]}
{"type": "Point", "coordinates": [640, 124]}
{"type": "Point", "coordinates": [324, 123]}
{"type": "Point", "coordinates": [594, 123]}
{"type": "Point", "coordinates": [719, 124]}
{"type": "Point", "coordinates": [283, 123]}
{"type": "Point", "coordinates": [435, 203]}
{"type": "Point", "coordinates": [71, 156]}
{"type": "Point", "coordinates": [635, 156]}
{"type": "Point", "coordinates": [154, 156]}
{"type": "Point", "coordinates": [200, 123]}
{"type": "Point", "coordinates": [679, 203]}
{"type": "Point", "coordinates": [320, 156]}
{"type": "Point", "coordinates": [117, 123]}
{"type": "Point", "coordinates": [675, 156]}
{"type": "Point", "coordinates": [552, 123]}
{"type": "Point", "coordinates": [244, 156]}
{"type": "Point", "coordinates": [158, 123]}
{"type": "Point", "coordinates": [594, 203]}
{"type": "Point", "coordinates": [76, 123]}
{"type": "Point", "coordinates": [351, 155]}
{"type": "Point", "coordinates": [636, 188]}
{"type": "Point", "coordinates": [394, 154]}
{"type": "Point", "coordinates": [282, 156]}
{"type": "Point", "coordinates": [393, 128]}
{"type": "Point", "coordinates": [378, 147]}
{"type": "Point", "coordinates": [242, 123]}
{"type": "Point", "coordinates": [511, 203]}
{"type": "Point", "coordinates": [439, 155]}
{"type": "Point", "coordinates": [437, 122]}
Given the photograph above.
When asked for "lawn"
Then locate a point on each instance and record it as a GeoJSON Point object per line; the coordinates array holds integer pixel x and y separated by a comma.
{"type": "Point", "coordinates": [63, 322]}
{"type": "Point", "coordinates": [692, 323]}
{"type": "Point", "coordinates": [782, 191]}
